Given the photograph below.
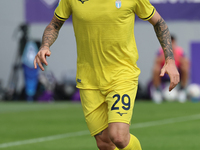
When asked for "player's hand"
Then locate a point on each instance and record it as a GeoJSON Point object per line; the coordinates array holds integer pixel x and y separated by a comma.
{"type": "Point", "coordinates": [171, 70]}
{"type": "Point", "coordinates": [41, 57]}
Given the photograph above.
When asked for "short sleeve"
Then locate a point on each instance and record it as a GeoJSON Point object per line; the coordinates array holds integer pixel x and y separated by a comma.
{"type": "Point", "coordinates": [63, 11]}
{"type": "Point", "coordinates": [143, 9]}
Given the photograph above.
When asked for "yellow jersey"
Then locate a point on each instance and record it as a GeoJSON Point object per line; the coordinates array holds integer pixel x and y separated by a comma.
{"type": "Point", "coordinates": [104, 31]}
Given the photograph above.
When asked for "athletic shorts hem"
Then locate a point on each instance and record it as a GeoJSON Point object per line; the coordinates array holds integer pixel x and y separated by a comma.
{"type": "Point", "coordinates": [120, 121]}
{"type": "Point", "coordinates": [99, 130]}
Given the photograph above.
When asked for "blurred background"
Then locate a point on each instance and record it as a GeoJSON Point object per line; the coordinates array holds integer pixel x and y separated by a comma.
{"type": "Point", "coordinates": [25, 20]}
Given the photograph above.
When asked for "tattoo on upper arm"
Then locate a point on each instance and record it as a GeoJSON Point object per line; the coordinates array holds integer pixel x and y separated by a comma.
{"type": "Point", "coordinates": [51, 32]}
{"type": "Point", "coordinates": [57, 24]}
{"type": "Point", "coordinates": [164, 38]}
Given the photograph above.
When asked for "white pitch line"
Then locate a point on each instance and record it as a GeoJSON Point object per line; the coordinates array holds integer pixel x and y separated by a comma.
{"type": "Point", "coordinates": [86, 132]}
{"type": "Point", "coordinates": [44, 139]}
{"type": "Point", "coordinates": [166, 121]}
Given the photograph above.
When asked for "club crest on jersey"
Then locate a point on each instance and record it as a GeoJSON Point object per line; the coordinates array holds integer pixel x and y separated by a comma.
{"type": "Point", "coordinates": [118, 3]}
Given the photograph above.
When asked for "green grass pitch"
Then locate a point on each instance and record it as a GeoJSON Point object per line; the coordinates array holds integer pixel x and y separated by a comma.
{"type": "Point", "coordinates": [61, 126]}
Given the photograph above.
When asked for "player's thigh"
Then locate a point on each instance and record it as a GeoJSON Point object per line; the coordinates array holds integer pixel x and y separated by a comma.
{"type": "Point", "coordinates": [121, 102]}
{"type": "Point", "coordinates": [95, 110]}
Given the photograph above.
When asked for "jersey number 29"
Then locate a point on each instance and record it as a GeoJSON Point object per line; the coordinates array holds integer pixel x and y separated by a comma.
{"type": "Point", "coordinates": [125, 99]}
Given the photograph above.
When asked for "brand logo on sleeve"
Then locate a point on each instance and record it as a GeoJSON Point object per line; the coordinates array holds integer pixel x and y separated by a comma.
{"type": "Point", "coordinates": [82, 1]}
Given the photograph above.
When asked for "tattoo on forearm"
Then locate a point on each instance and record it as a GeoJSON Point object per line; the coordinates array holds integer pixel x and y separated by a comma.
{"type": "Point", "coordinates": [164, 38]}
{"type": "Point", "coordinates": [51, 32]}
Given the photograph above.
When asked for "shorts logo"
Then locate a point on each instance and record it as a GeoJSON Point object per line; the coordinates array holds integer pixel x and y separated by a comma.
{"type": "Point", "coordinates": [82, 1]}
{"type": "Point", "coordinates": [79, 80]}
{"type": "Point", "coordinates": [120, 113]}
{"type": "Point", "coordinates": [118, 3]}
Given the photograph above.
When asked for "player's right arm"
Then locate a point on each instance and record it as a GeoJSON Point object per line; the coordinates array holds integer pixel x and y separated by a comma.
{"type": "Point", "coordinates": [49, 37]}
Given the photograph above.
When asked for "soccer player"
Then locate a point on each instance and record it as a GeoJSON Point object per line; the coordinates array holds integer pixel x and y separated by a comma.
{"type": "Point", "coordinates": [182, 63]}
{"type": "Point", "coordinates": [107, 74]}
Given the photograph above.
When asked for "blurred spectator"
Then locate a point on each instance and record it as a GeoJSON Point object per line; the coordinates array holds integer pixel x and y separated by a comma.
{"type": "Point", "coordinates": [30, 74]}
{"type": "Point", "coordinates": [158, 82]}
{"type": "Point", "coordinates": [66, 88]}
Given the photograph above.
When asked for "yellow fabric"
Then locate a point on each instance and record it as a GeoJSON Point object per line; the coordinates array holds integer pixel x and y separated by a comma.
{"type": "Point", "coordinates": [106, 48]}
{"type": "Point", "coordinates": [116, 148]}
{"type": "Point", "coordinates": [103, 107]}
{"type": "Point", "coordinates": [134, 144]}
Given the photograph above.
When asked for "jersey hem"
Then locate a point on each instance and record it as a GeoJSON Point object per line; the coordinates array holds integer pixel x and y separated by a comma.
{"type": "Point", "coordinates": [83, 87]}
{"type": "Point", "coordinates": [117, 120]}
{"type": "Point", "coordinates": [99, 130]}
{"type": "Point", "coordinates": [109, 86]}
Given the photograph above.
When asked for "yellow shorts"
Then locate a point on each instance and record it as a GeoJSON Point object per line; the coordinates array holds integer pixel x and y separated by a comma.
{"type": "Point", "coordinates": [102, 107]}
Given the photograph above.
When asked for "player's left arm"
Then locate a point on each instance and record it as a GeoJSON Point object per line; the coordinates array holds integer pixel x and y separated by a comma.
{"type": "Point", "coordinates": [164, 37]}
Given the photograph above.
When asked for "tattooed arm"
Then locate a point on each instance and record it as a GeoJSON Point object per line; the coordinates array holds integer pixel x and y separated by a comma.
{"type": "Point", "coordinates": [164, 37]}
{"type": "Point", "coordinates": [51, 32]}
{"type": "Point", "coordinates": [49, 36]}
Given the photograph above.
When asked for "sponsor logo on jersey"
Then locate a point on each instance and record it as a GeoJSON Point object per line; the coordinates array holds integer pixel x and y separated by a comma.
{"type": "Point", "coordinates": [82, 1]}
{"type": "Point", "coordinates": [118, 3]}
